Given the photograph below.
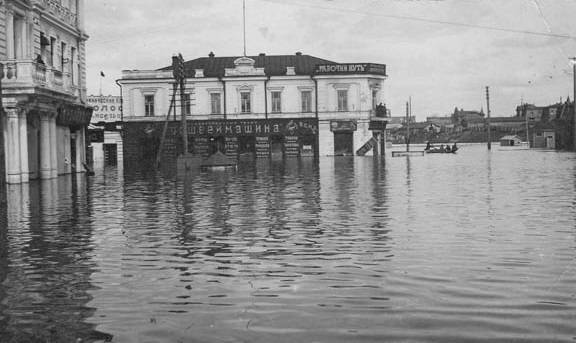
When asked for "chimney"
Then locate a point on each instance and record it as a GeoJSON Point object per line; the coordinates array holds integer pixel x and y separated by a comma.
{"type": "Point", "coordinates": [211, 54]}
{"type": "Point", "coordinates": [298, 53]}
{"type": "Point", "coordinates": [261, 54]}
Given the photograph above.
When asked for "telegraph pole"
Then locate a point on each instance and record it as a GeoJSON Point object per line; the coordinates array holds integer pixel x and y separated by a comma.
{"type": "Point", "coordinates": [573, 59]}
{"type": "Point", "coordinates": [2, 147]}
{"type": "Point", "coordinates": [178, 71]}
{"type": "Point", "coordinates": [488, 117]}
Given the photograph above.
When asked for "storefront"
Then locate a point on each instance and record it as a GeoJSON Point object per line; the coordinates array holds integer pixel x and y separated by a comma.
{"type": "Point", "coordinates": [277, 138]}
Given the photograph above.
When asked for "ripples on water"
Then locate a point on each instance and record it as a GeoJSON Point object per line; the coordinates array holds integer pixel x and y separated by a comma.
{"type": "Point", "coordinates": [474, 247]}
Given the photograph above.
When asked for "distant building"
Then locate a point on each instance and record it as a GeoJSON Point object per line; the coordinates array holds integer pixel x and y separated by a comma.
{"type": "Point", "coordinates": [549, 126]}
{"type": "Point", "coordinates": [104, 133]}
{"type": "Point", "coordinates": [544, 138]}
{"type": "Point", "coordinates": [464, 117]}
{"type": "Point", "coordinates": [510, 140]}
{"type": "Point", "coordinates": [259, 106]}
{"type": "Point", "coordinates": [42, 49]}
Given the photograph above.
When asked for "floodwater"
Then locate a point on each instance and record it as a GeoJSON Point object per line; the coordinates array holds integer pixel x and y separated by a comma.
{"type": "Point", "coordinates": [479, 246]}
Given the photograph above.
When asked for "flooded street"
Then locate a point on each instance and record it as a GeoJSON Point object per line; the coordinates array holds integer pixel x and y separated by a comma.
{"type": "Point", "coordinates": [479, 246]}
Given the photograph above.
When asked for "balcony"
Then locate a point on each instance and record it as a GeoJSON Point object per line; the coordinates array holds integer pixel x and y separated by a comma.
{"type": "Point", "coordinates": [23, 74]}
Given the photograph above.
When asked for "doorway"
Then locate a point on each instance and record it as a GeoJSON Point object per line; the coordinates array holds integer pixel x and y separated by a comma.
{"type": "Point", "coordinates": [343, 143]}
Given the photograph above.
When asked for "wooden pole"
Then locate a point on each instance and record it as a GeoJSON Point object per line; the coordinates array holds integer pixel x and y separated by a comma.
{"type": "Point", "coordinates": [574, 102]}
{"type": "Point", "coordinates": [407, 126]}
{"type": "Point", "coordinates": [488, 117]}
{"type": "Point", "coordinates": [163, 138]}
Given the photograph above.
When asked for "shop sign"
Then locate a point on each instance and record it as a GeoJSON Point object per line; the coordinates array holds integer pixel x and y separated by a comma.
{"type": "Point", "coordinates": [72, 114]}
{"type": "Point", "coordinates": [105, 108]}
{"type": "Point", "coordinates": [343, 125]}
{"type": "Point", "coordinates": [285, 127]}
{"type": "Point", "coordinates": [350, 68]}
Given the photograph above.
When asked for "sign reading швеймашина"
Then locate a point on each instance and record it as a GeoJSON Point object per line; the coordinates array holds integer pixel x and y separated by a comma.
{"type": "Point", "coordinates": [350, 68]}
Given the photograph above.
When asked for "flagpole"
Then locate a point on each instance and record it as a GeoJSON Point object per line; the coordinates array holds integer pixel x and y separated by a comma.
{"type": "Point", "coordinates": [244, 23]}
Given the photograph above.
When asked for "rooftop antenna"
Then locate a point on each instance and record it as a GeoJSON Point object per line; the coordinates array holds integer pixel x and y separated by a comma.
{"type": "Point", "coordinates": [244, 23]}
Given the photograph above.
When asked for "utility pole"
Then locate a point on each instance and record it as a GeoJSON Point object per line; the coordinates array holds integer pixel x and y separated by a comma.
{"type": "Point", "coordinates": [2, 147]}
{"type": "Point", "coordinates": [573, 59]}
{"type": "Point", "coordinates": [178, 71]}
{"type": "Point", "coordinates": [407, 126]}
{"type": "Point", "coordinates": [488, 117]}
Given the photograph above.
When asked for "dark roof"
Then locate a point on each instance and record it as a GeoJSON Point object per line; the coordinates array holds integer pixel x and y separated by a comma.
{"type": "Point", "coordinates": [274, 65]}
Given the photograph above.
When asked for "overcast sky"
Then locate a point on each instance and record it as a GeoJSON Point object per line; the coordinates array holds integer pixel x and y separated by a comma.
{"type": "Point", "coordinates": [441, 53]}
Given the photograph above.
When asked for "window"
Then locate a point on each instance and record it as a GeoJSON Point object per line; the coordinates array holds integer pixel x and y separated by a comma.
{"type": "Point", "coordinates": [215, 101]}
{"type": "Point", "coordinates": [342, 100]}
{"type": "Point", "coordinates": [245, 105]}
{"type": "Point", "coordinates": [276, 101]}
{"type": "Point", "coordinates": [374, 99]}
{"type": "Point", "coordinates": [72, 65]}
{"type": "Point", "coordinates": [62, 56]}
{"type": "Point", "coordinates": [52, 50]}
{"type": "Point", "coordinates": [149, 105]}
{"type": "Point", "coordinates": [187, 104]}
{"type": "Point", "coordinates": [306, 101]}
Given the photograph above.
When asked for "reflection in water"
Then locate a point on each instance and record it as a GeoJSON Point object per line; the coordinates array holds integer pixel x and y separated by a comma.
{"type": "Point", "coordinates": [46, 264]}
{"type": "Point", "coordinates": [429, 249]}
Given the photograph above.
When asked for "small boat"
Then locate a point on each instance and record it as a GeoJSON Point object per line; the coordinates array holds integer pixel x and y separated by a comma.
{"type": "Point", "coordinates": [441, 150]}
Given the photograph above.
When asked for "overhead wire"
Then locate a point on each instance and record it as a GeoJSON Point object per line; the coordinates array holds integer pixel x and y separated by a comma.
{"type": "Point", "coordinates": [427, 20]}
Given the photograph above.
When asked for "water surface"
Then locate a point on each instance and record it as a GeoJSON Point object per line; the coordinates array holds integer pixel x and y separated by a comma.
{"type": "Point", "coordinates": [479, 246]}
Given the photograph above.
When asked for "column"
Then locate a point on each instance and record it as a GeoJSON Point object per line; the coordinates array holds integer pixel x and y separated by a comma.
{"type": "Point", "coordinates": [80, 150]}
{"type": "Point", "coordinates": [45, 155]}
{"type": "Point", "coordinates": [23, 128]}
{"type": "Point", "coordinates": [12, 142]}
{"type": "Point", "coordinates": [53, 146]}
{"type": "Point", "coordinates": [10, 34]}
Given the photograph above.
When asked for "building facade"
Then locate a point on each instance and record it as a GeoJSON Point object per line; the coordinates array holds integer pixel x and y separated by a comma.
{"type": "Point", "coordinates": [261, 106]}
{"type": "Point", "coordinates": [105, 145]}
{"type": "Point", "coordinates": [42, 50]}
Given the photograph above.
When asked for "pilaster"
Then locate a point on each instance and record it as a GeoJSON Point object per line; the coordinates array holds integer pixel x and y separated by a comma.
{"type": "Point", "coordinates": [10, 52]}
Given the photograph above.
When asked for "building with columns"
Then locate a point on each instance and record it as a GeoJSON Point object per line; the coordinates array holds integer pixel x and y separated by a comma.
{"type": "Point", "coordinates": [42, 50]}
{"type": "Point", "coordinates": [259, 106]}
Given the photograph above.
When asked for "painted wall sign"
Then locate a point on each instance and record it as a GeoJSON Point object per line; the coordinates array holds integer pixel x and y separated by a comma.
{"type": "Point", "coordinates": [350, 68]}
{"type": "Point", "coordinates": [105, 108]}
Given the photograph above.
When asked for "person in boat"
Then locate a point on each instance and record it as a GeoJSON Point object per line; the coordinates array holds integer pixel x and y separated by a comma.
{"type": "Point", "coordinates": [454, 147]}
{"type": "Point", "coordinates": [428, 146]}
{"type": "Point", "coordinates": [447, 148]}
{"type": "Point", "coordinates": [442, 147]}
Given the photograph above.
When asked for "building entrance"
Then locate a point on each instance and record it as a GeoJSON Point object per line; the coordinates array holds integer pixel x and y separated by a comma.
{"type": "Point", "coordinates": [343, 143]}
{"type": "Point", "coordinates": [276, 147]}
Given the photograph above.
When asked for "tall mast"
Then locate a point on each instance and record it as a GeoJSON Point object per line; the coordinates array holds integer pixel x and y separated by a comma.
{"type": "Point", "coordinates": [244, 23]}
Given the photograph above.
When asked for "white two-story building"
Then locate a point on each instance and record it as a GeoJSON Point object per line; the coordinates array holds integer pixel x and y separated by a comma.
{"type": "Point", "coordinates": [282, 105]}
{"type": "Point", "coordinates": [42, 52]}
